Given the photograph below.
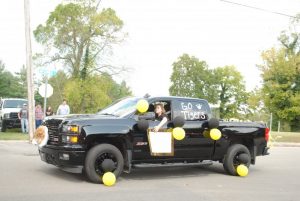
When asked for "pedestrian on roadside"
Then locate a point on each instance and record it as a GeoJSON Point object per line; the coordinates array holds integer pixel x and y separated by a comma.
{"type": "Point", "coordinates": [63, 109]}
{"type": "Point", "coordinates": [49, 111]}
{"type": "Point", "coordinates": [39, 115]}
{"type": "Point", "coordinates": [23, 116]}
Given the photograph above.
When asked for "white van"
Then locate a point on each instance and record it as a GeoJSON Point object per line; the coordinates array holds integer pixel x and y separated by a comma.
{"type": "Point", "coordinates": [9, 109]}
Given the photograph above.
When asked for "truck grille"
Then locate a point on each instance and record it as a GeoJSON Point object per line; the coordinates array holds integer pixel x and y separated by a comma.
{"type": "Point", "coordinates": [13, 115]}
{"type": "Point", "coordinates": [53, 130]}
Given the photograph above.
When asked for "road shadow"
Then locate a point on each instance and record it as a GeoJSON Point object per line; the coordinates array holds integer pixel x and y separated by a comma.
{"type": "Point", "coordinates": [58, 173]}
{"type": "Point", "coordinates": [145, 173]}
{"type": "Point", "coordinates": [153, 173]}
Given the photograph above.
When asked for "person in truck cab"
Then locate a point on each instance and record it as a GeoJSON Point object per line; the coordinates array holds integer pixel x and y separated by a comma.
{"type": "Point", "coordinates": [160, 115]}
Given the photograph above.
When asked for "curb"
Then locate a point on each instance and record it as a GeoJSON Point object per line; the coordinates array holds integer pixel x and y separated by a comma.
{"type": "Point", "coordinates": [285, 144]}
{"type": "Point", "coordinates": [15, 141]}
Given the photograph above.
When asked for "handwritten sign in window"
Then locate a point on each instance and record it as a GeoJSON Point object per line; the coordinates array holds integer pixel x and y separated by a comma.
{"type": "Point", "coordinates": [192, 111]}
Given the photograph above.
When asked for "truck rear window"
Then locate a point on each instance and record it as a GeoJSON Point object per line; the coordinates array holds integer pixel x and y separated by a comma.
{"type": "Point", "coordinates": [191, 110]}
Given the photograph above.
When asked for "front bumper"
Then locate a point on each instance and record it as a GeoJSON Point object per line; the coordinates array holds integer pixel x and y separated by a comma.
{"type": "Point", "coordinates": [12, 123]}
{"type": "Point", "coordinates": [68, 156]}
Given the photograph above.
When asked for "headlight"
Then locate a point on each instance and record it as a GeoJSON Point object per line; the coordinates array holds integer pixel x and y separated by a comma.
{"type": "Point", "coordinates": [6, 116]}
{"type": "Point", "coordinates": [70, 134]}
{"type": "Point", "coordinates": [69, 139]}
{"type": "Point", "coordinates": [70, 129]}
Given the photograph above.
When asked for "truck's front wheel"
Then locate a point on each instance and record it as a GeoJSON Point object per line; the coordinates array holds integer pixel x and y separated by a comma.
{"type": "Point", "coordinates": [103, 158]}
{"type": "Point", "coordinates": [231, 159]}
{"type": "Point", "coordinates": [2, 126]}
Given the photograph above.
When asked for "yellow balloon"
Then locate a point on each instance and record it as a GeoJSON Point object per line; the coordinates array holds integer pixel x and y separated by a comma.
{"type": "Point", "coordinates": [242, 170]}
{"type": "Point", "coordinates": [142, 106]}
{"type": "Point", "coordinates": [215, 134]}
{"type": "Point", "coordinates": [178, 133]}
{"type": "Point", "coordinates": [109, 179]}
{"type": "Point", "coordinates": [206, 134]}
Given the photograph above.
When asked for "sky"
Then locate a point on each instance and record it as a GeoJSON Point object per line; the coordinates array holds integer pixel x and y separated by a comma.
{"type": "Point", "coordinates": [159, 31]}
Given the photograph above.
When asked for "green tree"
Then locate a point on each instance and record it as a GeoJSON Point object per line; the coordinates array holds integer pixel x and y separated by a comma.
{"type": "Point", "coordinates": [10, 85]}
{"type": "Point", "coordinates": [123, 91]}
{"type": "Point", "coordinates": [94, 93]}
{"type": "Point", "coordinates": [58, 82]}
{"type": "Point", "coordinates": [22, 79]}
{"type": "Point", "coordinates": [255, 109]}
{"type": "Point", "coordinates": [290, 39]}
{"type": "Point", "coordinates": [223, 85]}
{"type": "Point", "coordinates": [231, 91]}
{"type": "Point", "coordinates": [116, 91]}
{"type": "Point", "coordinates": [4, 80]}
{"type": "Point", "coordinates": [38, 98]}
{"type": "Point", "coordinates": [192, 78]}
{"type": "Point", "coordinates": [78, 34]}
{"type": "Point", "coordinates": [281, 86]}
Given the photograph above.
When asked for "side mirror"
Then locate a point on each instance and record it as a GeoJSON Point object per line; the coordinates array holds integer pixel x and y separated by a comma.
{"type": "Point", "coordinates": [147, 116]}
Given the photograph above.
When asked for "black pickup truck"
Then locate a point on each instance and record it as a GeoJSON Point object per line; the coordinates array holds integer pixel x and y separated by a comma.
{"type": "Point", "coordinates": [112, 140]}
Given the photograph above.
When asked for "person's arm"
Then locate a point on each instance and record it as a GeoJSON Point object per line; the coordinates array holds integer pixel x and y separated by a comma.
{"type": "Point", "coordinates": [163, 121]}
{"type": "Point", "coordinates": [68, 109]}
{"type": "Point", "coordinates": [57, 112]}
{"type": "Point", "coordinates": [19, 114]}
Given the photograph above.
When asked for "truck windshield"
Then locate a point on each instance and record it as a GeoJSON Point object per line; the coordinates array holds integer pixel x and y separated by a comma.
{"type": "Point", "coordinates": [14, 103]}
{"type": "Point", "coordinates": [121, 108]}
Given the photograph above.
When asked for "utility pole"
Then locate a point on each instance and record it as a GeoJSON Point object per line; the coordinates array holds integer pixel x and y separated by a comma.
{"type": "Point", "coordinates": [271, 122]}
{"type": "Point", "coordinates": [45, 97]}
{"type": "Point", "coordinates": [30, 87]}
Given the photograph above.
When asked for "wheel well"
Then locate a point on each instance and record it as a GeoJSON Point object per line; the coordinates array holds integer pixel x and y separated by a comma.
{"type": "Point", "coordinates": [117, 142]}
{"type": "Point", "coordinates": [247, 142]}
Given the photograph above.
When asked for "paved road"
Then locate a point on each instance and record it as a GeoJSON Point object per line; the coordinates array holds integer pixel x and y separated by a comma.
{"type": "Point", "coordinates": [24, 177]}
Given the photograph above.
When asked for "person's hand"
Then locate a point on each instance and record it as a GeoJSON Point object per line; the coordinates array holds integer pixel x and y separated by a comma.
{"type": "Point", "coordinates": [156, 128]}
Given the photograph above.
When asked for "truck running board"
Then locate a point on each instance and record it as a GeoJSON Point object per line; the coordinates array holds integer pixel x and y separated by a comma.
{"type": "Point", "coordinates": [153, 165]}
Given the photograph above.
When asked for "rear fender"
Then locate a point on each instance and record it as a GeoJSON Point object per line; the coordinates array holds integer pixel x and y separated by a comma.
{"type": "Point", "coordinates": [251, 137]}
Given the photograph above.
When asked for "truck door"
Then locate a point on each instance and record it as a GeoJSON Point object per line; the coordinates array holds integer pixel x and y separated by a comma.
{"type": "Point", "coordinates": [194, 145]}
{"type": "Point", "coordinates": [141, 149]}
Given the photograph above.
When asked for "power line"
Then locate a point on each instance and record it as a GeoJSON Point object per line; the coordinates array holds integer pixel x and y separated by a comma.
{"type": "Point", "coordinates": [261, 9]}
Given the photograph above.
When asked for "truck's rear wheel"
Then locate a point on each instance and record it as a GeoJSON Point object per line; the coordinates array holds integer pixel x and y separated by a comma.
{"type": "Point", "coordinates": [231, 159]}
{"type": "Point", "coordinates": [103, 158]}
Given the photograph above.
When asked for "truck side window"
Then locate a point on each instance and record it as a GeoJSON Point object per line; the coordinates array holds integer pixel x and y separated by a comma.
{"type": "Point", "coordinates": [167, 106]}
{"type": "Point", "coordinates": [191, 110]}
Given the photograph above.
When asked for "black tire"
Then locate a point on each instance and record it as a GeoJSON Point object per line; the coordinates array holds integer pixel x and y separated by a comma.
{"type": "Point", "coordinates": [97, 154]}
{"type": "Point", "coordinates": [230, 161]}
{"type": "Point", "coordinates": [2, 126]}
